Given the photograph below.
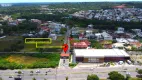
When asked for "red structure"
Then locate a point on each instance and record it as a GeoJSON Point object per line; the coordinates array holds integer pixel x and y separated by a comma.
{"type": "Point", "coordinates": [86, 41]}
{"type": "Point", "coordinates": [79, 45]}
{"type": "Point", "coordinates": [64, 55]}
{"type": "Point", "coordinates": [45, 28]}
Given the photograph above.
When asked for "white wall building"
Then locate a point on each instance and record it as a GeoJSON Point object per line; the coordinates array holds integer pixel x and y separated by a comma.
{"type": "Point", "coordinates": [106, 36]}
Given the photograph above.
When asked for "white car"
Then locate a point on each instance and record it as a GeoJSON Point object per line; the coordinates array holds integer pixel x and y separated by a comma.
{"type": "Point", "coordinates": [38, 71]}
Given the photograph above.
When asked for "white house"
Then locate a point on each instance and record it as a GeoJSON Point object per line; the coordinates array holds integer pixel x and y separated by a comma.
{"type": "Point", "coordinates": [122, 40]}
{"type": "Point", "coordinates": [98, 36]}
{"type": "Point", "coordinates": [89, 32]}
{"type": "Point", "coordinates": [106, 36]}
{"type": "Point", "coordinates": [53, 36]}
{"type": "Point", "coordinates": [120, 30]}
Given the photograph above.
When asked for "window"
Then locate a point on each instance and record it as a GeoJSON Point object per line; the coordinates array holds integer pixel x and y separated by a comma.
{"type": "Point", "coordinates": [93, 60]}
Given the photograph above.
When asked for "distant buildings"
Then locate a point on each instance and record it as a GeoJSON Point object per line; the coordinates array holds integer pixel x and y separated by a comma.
{"type": "Point", "coordinates": [119, 13]}
{"type": "Point", "coordinates": [6, 5]}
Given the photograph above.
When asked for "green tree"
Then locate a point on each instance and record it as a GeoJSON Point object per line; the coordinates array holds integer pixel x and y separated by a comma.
{"type": "Point", "coordinates": [63, 30]}
{"type": "Point", "coordinates": [19, 72]}
{"type": "Point", "coordinates": [92, 77]}
{"type": "Point", "coordinates": [66, 78]}
{"type": "Point", "coordinates": [114, 75]}
{"type": "Point", "coordinates": [128, 76]}
{"type": "Point", "coordinates": [140, 73]}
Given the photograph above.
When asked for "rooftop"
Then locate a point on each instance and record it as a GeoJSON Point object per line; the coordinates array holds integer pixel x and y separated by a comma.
{"type": "Point", "coordinates": [100, 53]}
{"type": "Point", "coordinates": [64, 55]}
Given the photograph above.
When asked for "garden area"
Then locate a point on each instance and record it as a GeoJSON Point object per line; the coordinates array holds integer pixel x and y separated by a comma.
{"type": "Point", "coordinates": [27, 61]}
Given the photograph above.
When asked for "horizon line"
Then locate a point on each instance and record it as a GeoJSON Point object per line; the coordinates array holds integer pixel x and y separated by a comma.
{"type": "Point", "coordinates": [69, 2]}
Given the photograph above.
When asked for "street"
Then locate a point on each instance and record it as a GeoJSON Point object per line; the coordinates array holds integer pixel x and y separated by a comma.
{"type": "Point", "coordinates": [73, 74]}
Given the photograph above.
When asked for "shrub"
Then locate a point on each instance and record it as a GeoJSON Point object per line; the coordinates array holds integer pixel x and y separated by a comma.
{"type": "Point", "coordinates": [92, 77]}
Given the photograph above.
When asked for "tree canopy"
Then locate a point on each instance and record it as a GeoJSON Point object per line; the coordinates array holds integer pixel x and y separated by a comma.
{"type": "Point", "coordinates": [114, 75]}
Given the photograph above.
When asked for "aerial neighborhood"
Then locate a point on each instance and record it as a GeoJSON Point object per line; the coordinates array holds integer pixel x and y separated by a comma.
{"type": "Point", "coordinates": [85, 43]}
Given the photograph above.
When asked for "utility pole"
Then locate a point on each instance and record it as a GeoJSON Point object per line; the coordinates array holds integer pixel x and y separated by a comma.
{"type": "Point", "coordinates": [56, 74]}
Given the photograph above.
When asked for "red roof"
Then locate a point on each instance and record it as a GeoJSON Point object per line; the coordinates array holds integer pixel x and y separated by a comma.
{"type": "Point", "coordinates": [64, 55]}
{"type": "Point", "coordinates": [81, 35]}
{"type": "Point", "coordinates": [45, 28]}
{"type": "Point", "coordinates": [80, 45]}
{"type": "Point", "coordinates": [86, 41]}
{"type": "Point", "coordinates": [137, 44]}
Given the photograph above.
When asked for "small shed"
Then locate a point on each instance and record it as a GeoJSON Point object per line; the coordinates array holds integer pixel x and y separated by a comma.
{"type": "Point", "coordinates": [64, 55]}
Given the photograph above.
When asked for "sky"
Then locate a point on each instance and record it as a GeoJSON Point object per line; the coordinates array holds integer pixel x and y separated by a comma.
{"type": "Point", "coordinates": [23, 1]}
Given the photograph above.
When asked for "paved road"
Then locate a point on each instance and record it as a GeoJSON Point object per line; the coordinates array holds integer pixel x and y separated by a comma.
{"type": "Point", "coordinates": [64, 63]}
{"type": "Point", "coordinates": [73, 74]}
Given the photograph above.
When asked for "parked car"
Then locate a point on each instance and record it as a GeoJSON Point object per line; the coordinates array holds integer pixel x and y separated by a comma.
{"type": "Point", "coordinates": [38, 71]}
{"type": "Point", "coordinates": [120, 62]}
{"type": "Point", "coordinates": [129, 62]}
{"type": "Point", "coordinates": [10, 76]}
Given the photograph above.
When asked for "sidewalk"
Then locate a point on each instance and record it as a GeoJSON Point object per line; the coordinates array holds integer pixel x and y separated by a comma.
{"type": "Point", "coordinates": [62, 64]}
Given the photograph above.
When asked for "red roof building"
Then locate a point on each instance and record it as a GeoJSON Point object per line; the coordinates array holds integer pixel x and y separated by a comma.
{"type": "Point", "coordinates": [136, 44]}
{"type": "Point", "coordinates": [45, 28]}
{"type": "Point", "coordinates": [64, 55]}
{"type": "Point", "coordinates": [86, 41]}
{"type": "Point", "coordinates": [80, 45]}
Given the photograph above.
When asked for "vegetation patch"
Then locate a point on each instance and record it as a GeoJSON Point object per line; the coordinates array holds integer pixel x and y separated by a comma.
{"type": "Point", "coordinates": [72, 65]}
{"type": "Point", "coordinates": [21, 61]}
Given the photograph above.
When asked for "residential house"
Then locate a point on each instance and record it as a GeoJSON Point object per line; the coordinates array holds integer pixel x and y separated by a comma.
{"type": "Point", "coordinates": [98, 36]}
{"type": "Point", "coordinates": [53, 36]}
{"type": "Point", "coordinates": [36, 21]}
{"type": "Point", "coordinates": [106, 36]}
{"type": "Point", "coordinates": [122, 40]}
{"type": "Point", "coordinates": [136, 45]}
{"type": "Point", "coordinates": [80, 45]}
{"type": "Point", "coordinates": [21, 20]}
{"type": "Point", "coordinates": [13, 23]}
{"type": "Point", "coordinates": [120, 30]}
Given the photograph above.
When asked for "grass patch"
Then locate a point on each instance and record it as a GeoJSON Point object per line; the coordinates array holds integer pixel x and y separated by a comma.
{"type": "Point", "coordinates": [32, 47]}
{"type": "Point", "coordinates": [15, 16]}
{"type": "Point", "coordinates": [26, 60]}
{"type": "Point", "coordinates": [135, 79]}
{"type": "Point", "coordinates": [6, 44]}
{"type": "Point", "coordinates": [29, 48]}
{"type": "Point", "coordinates": [18, 61]}
{"type": "Point", "coordinates": [72, 65]}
